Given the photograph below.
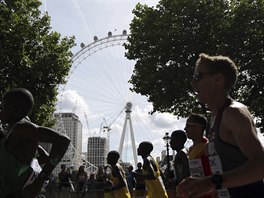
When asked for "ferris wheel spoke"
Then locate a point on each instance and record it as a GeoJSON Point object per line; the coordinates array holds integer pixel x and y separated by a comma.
{"type": "Point", "coordinates": [99, 79]}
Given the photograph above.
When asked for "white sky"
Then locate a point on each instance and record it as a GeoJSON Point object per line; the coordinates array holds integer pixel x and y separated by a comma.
{"type": "Point", "coordinates": [98, 86]}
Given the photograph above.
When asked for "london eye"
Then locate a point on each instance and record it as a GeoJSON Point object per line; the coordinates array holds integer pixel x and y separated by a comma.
{"type": "Point", "coordinates": [98, 91]}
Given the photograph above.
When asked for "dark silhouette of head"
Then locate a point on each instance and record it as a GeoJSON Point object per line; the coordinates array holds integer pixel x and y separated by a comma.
{"type": "Point", "coordinates": [20, 102]}
{"type": "Point", "coordinates": [145, 148]}
{"type": "Point", "coordinates": [112, 157]}
{"type": "Point", "coordinates": [178, 139]}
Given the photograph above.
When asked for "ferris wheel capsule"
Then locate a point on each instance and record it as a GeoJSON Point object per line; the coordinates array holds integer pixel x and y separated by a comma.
{"type": "Point", "coordinates": [124, 32]}
{"type": "Point", "coordinates": [82, 45]}
{"type": "Point", "coordinates": [95, 38]}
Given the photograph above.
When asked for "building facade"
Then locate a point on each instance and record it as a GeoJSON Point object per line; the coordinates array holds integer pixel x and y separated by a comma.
{"type": "Point", "coordinates": [97, 150]}
{"type": "Point", "coordinates": [69, 124]}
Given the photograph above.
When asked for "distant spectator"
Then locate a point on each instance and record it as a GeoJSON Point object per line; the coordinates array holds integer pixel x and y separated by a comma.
{"type": "Point", "coordinates": [81, 179]}
{"type": "Point", "coordinates": [73, 173]}
{"type": "Point", "coordinates": [100, 182]}
{"type": "Point", "coordinates": [51, 187]}
{"type": "Point", "coordinates": [140, 188]}
{"type": "Point", "coordinates": [108, 193]}
{"type": "Point", "coordinates": [131, 182]}
{"type": "Point", "coordinates": [64, 178]}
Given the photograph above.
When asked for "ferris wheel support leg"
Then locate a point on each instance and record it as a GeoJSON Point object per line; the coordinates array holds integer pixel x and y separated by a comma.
{"type": "Point", "coordinates": [133, 140]}
{"type": "Point", "coordinates": [123, 136]}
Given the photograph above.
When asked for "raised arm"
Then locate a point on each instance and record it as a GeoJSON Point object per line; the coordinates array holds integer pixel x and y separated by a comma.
{"type": "Point", "coordinates": [60, 143]}
{"type": "Point", "coordinates": [43, 155]}
{"type": "Point", "coordinates": [33, 135]}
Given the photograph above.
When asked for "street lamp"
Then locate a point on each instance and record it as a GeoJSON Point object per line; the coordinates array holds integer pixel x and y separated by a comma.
{"type": "Point", "coordinates": [166, 139]}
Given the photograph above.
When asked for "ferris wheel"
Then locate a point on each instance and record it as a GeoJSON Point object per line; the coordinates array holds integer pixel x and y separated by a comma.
{"type": "Point", "coordinates": [98, 91]}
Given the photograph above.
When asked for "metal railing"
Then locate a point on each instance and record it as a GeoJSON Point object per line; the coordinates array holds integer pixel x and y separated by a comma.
{"type": "Point", "coordinates": [92, 190]}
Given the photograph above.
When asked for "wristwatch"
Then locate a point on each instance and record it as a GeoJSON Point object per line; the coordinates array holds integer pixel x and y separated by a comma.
{"type": "Point", "coordinates": [217, 180]}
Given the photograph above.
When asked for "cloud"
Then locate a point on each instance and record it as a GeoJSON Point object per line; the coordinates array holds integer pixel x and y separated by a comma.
{"type": "Point", "coordinates": [165, 120]}
{"type": "Point", "coordinates": [72, 101]}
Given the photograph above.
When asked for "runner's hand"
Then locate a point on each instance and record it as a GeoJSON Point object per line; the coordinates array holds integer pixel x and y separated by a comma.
{"type": "Point", "coordinates": [195, 187]}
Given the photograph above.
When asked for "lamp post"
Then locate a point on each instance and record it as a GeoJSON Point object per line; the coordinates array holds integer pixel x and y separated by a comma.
{"type": "Point", "coordinates": [166, 139]}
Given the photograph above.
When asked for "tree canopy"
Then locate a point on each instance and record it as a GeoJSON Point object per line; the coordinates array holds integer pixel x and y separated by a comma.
{"type": "Point", "coordinates": [32, 56]}
{"type": "Point", "coordinates": [166, 40]}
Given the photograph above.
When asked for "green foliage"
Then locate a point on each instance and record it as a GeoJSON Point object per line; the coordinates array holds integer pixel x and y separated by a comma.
{"type": "Point", "coordinates": [32, 56]}
{"type": "Point", "coordinates": [166, 40]}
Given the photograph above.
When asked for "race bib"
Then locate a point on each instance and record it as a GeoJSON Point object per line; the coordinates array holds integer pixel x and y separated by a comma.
{"type": "Point", "coordinates": [196, 168]}
{"type": "Point", "coordinates": [216, 167]}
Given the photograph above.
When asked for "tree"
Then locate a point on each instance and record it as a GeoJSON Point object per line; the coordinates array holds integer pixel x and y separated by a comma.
{"type": "Point", "coordinates": [32, 56]}
{"type": "Point", "coordinates": [166, 40]}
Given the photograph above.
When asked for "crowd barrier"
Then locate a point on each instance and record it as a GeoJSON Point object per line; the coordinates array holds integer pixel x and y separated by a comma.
{"type": "Point", "coordinates": [69, 192]}
{"type": "Point", "coordinates": [88, 194]}
{"type": "Point", "coordinates": [92, 194]}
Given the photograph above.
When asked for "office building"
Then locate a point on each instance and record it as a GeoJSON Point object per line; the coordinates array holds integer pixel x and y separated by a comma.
{"type": "Point", "coordinates": [97, 150]}
{"type": "Point", "coordinates": [69, 124]}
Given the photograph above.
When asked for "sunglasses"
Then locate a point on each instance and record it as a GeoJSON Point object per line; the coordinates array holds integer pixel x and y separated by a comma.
{"type": "Point", "coordinates": [199, 75]}
{"type": "Point", "coordinates": [192, 124]}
